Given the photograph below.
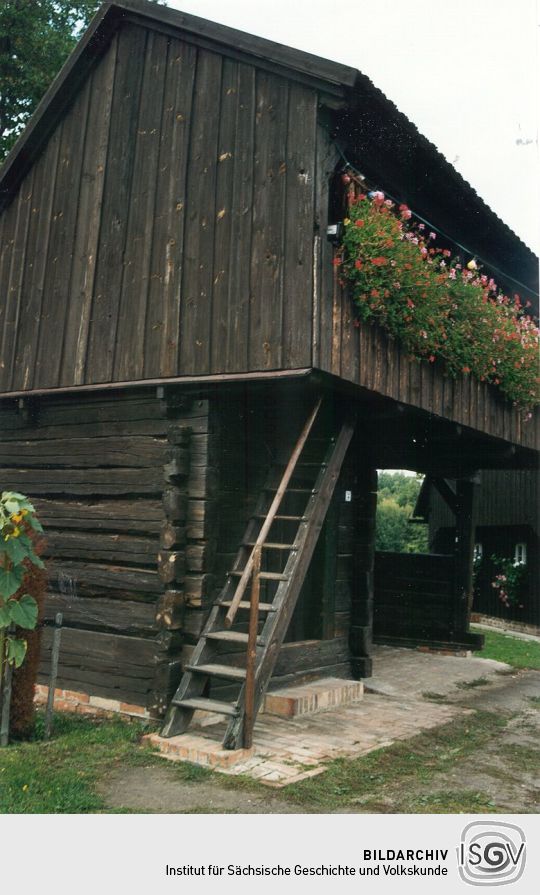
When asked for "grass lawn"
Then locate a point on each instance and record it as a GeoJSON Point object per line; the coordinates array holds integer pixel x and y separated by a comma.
{"type": "Point", "coordinates": [512, 650]}
{"type": "Point", "coordinates": [61, 776]}
{"type": "Point", "coordinates": [412, 776]}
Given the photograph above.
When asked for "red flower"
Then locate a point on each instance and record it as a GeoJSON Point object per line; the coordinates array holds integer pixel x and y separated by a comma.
{"type": "Point", "coordinates": [466, 369]}
{"type": "Point", "coordinates": [379, 261]}
{"type": "Point", "coordinates": [336, 262]}
{"type": "Point", "coordinates": [358, 265]}
{"type": "Point", "coordinates": [431, 358]}
{"type": "Point", "coordinates": [359, 223]}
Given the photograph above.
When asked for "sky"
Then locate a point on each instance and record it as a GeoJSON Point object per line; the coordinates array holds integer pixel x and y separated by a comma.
{"type": "Point", "coordinates": [465, 72]}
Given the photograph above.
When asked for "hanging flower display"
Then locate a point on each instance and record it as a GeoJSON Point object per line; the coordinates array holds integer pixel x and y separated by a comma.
{"type": "Point", "coordinates": [436, 306]}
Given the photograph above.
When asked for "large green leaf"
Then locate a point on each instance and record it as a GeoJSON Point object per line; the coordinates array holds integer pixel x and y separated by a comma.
{"type": "Point", "coordinates": [35, 524]}
{"type": "Point", "coordinates": [29, 550]}
{"type": "Point", "coordinates": [16, 651]}
{"type": "Point", "coordinates": [16, 549]}
{"type": "Point", "coordinates": [5, 617]}
{"type": "Point", "coordinates": [10, 581]}
{"type": "Point", "coordinates": [24, 612]}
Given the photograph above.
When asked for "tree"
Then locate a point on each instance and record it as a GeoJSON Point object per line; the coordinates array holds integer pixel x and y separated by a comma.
{"type": "Point", "coordinates": [36, 37]}
{"type": "Point", "coordinates": [395, 505]}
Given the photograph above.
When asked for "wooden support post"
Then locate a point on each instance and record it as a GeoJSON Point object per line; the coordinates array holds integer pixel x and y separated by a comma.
{"type": "Point", "coordinates": [55, 656]}
{"type": "Point", "coordinates": [466, 506]}
{"type": "Point", "coordinates": [249, 717]}
{"type": "Point", "coordinates": [361, 629]}
{"type": "Point", "coordinates": [330, 535]}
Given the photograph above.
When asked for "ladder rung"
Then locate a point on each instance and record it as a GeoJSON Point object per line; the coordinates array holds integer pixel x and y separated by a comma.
{"type": "Point", "coordinates": [269, 546]}
{"type": "Point", "coordinates": [207, 705]}
{"type": "Point", "coordinates": [281, 518]}
{"type": "Point", "coordinates": [267, 576]}
{"type": "Point", "coordinates": [230, 637]}
{"type": "Point", "coordinates": [245, 604]}
{"type": "Point", "coordinates": [227, 671]}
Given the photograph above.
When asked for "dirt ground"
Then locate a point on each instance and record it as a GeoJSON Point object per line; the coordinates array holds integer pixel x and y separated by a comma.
{"type": "Point", "coordinates": [506, 769]}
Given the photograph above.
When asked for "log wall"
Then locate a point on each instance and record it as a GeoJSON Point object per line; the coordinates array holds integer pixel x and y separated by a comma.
{"type": "Point", "coordinates": [144, 498]}
{"type": "Point", "coordinates": [120, 483]}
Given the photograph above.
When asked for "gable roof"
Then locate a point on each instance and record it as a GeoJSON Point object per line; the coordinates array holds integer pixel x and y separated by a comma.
{"type": "Point", "coordinates": [369, 123]}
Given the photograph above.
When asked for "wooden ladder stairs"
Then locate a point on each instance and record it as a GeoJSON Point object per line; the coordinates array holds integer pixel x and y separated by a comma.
{"type": "Point", "coordinates": [274, 556]}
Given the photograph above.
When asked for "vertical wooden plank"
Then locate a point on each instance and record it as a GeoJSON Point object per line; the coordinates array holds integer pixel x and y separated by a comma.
{"type": "Point", "coordinates": [267, 246]}
{"type": "Point", "coordinates": [118, 180]}
{"type": "Point", "coordinates": [41, 213]}
{"type": "Point", "coordinates": [326, 161]}
{"type": "Point", "coordinates": [349, 365]}
{"type": "Point", "coordinates": [299, 227]}
{"type": "Point", "coordinates": [236, 345]}
{"type": "Point", "coordinates": [8, 221]}
{"type": "Point", "coordinates": [365, 354]}
{"type": "Point", "coordinates": [12, 296]}
{"type": "Point", "coordinates": [164, 297]}
{"type": "Point", "coordinates": [402, 371]}
{"type": "Point", "coordinates": [129, 343]}
{"type": "Point", "coordinates": [426, 384]}
{"type": "Point", "coordinates": [448, 396]}
{"type": "Point", "coordinates": [61, 241]}
{"type": "Point", "coordinates": [85, 249]}
{"type": "Point", "coordinates": [336, 323]}
{"type": "Point", "coordinates": [196, 307]}
{"type": "Point", "coordinates": [225, 212]}
{"type": "Point", "coordinates": [414, 382]}
{"type": "Point", "coordinates": [467, 506]}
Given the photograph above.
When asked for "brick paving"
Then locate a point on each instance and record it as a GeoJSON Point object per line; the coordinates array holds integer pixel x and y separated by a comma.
{"type": "Point", "coordinates": [287, 749]}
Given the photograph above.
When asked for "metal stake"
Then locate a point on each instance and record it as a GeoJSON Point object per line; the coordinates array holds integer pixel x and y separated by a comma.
{"type": "Point", "coordinates": [55, 655]}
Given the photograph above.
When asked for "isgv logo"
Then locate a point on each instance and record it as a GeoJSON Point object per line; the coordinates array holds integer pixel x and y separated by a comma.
{"type": "Point", "coordinates": [491, 853]}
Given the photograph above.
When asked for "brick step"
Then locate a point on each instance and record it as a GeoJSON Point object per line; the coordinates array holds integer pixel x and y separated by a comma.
{"type": "Point", "coordinates": [316, 696]}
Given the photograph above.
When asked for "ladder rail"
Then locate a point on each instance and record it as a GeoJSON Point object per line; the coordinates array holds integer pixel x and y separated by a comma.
{"type": "Point", "coordinates": [272, 512]}
{"type": "Point", "coordinates": [276, 625]}
{"type": "Point", "coordinates": [251, 658]}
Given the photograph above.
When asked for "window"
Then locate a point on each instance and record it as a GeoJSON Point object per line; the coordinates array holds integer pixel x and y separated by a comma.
{"type": "Point", "coordinates": [520, 555]}
{"type": "Point", "coordinates": [477, 553]}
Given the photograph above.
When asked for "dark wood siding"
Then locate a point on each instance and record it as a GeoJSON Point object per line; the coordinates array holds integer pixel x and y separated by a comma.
{"type": "Point", "coordinates": [505, 497]}
{"type": "Point", "coordinates": [167, 227]}
{"type": "Point", "coordinates": [175, 225]}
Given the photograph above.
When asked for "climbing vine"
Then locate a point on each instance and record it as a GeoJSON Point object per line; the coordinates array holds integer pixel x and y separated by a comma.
{"type": "Point", "coordinates": [437, 306]}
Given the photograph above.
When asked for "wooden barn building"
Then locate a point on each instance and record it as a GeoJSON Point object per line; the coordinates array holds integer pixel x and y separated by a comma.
{"type": "Point", "coordinates": [507, 529]}
{"type": "Point", "coordinates": [181, 379]}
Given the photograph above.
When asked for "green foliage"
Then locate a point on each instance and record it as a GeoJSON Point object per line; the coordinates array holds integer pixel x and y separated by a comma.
{"type": "Point", "coordinates": [17, 554]}
{"type": "Point", "coordinates": [509, 582]}
{"type": "Point", "coordinates": [434, 305]}
{"type": "Point", "coordinates": [395, 506]}
{"type": "Point", "coordinates": [36, 39]}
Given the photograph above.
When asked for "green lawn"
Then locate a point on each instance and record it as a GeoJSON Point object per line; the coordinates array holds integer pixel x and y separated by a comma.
{"type": "Point", "coordinates": [63, 775]}
{"type": "Point", "coordinates": [59, 776]}
{"type": "Point", "coordinates": [512, 650]}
